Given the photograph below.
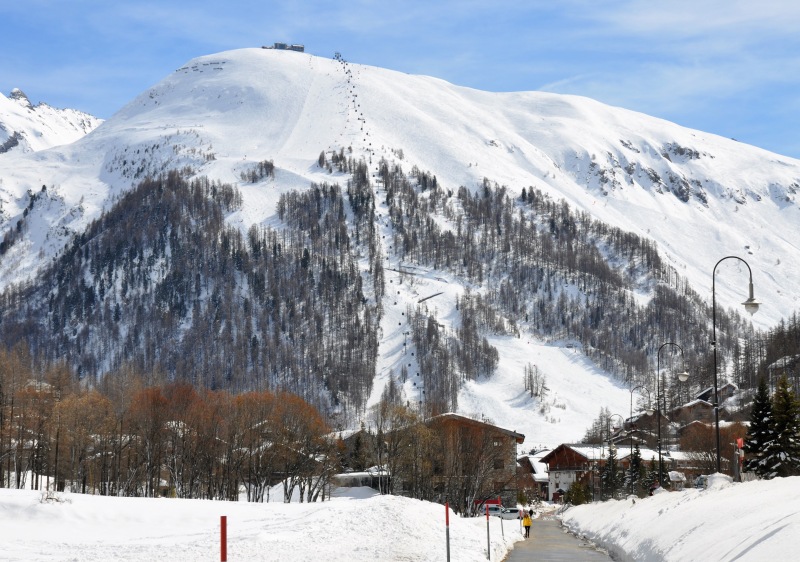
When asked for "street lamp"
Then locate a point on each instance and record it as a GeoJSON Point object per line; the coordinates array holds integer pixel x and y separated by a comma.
{"type": "Point", "coordinates": [683, 376]}
{"type": "Point", "coordinates": [649, 412]}
{"type": "Point", "coordinates": [608, 421]}
{"type": "Point", "coordinates": [611, 474]}
{"type": "Point", "coordinates": [751, 306]}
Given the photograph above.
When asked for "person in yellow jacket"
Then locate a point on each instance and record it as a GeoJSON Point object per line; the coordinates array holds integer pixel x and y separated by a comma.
{"type": "Point", "coordinates": [526, 522]}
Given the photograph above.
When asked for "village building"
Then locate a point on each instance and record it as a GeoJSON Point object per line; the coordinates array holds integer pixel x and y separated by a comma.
{"type": "Point", "coordinates": [476, 451]}
{"type": "Point", "coordinates": [533, 478]}
{"type": "Point", "coordinates": [474, 462]}
{"type": "Point", "coordinates": [583, 463]}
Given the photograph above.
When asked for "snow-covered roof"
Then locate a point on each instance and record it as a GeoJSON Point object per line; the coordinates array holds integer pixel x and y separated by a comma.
{"type": "Point", "coordinates": [783, 362]}
{"type": "Point", "coordinates": [675, 476]}
{"type": "Point", "coordinates": [681, 455]}
{"type": "Point", "coordinates": [539, 468]}
{"type": "Point", "coordinates": [695, 402]}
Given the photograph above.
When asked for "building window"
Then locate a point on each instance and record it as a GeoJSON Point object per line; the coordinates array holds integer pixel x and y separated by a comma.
{"type": "Point", "coordinates": [498, 463]}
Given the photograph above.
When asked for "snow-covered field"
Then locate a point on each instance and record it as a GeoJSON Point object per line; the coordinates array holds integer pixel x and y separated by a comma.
{"type": "Point", "coordinates": [353, 527]}
{"type": "Point", "coordinates": [754, 521]}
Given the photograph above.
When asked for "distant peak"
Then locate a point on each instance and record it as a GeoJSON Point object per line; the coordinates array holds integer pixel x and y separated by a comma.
{"type": "Point", "coordinates": [20, 97]}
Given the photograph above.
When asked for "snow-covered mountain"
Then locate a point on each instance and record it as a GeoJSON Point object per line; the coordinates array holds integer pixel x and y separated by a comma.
{"type": "Point", "coordinates": [700, 197]}
{"type": "Point", "coordinates": [25, 127]}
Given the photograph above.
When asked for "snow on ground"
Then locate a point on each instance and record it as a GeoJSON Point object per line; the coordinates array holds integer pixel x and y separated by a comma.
{"type": "Point", "coordinates": [577, 391]}
{"type": "Point", "coordinates": [353, 527]}
{"type": "Point", "coordinates": [753, 521]}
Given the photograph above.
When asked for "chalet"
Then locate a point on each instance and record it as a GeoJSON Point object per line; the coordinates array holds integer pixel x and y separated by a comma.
{"type": "Point", "coordinates": [696, 410]}
{"type": "Point", "coordinates": [473, 461]}
{"type": "Point", "coordinates": [639, 429]}
{"type": "Point", "coordinates": [373, 477]}
{"type": "Point", "coordinates": [725, 391]}
{"type": "Point", "coordinates": [788, 365]}
{"type": "Point", "coordinates": [359, 447]}
{"type": "Point", "coordinates": [571, 463]}
{"type": "Point", "coordinates": [687, 464]}
{"type": "Point", "coordinates": [533, 475]}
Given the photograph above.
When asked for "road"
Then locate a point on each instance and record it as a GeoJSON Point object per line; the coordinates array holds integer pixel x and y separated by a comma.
{"type": "Point", "coordinates": [550, 542]}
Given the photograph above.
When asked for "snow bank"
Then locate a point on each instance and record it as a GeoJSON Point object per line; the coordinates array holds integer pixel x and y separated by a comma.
{"type": "Point", "coordinates": [749, 521]}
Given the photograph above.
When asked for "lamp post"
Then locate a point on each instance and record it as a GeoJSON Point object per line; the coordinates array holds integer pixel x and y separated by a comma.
{"type": "Point", "coordinates": [609, 469]}
{"type": "Point", "coordinates": [751, 306]}
{"type": "Point", "coordinates": [630, 428]}
{"type": "Point", "coordinates": [608, 421]}
{"type": "Point", "coordinates": [658, 402]}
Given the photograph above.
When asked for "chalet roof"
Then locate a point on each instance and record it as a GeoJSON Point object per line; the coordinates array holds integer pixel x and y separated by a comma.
{"type": "Point", "coordinates": [681, 455]}
{"type": "Point", "coordinates": [695, 402]}
{"type": "Point", "coordinates": [696, 422]}
{"type": "Point", "coordinates": [645, 453]}
{"type": "Point", "coordinates": [711, 424]}
{"type": "Point", "coordinates": [587, 450]}
{"type": "Point", "coordinates": [597, 452]}
{"type": "Point", "coordinates": [710, 389]}
{"type": "Point", "coordinates": [458, 418]}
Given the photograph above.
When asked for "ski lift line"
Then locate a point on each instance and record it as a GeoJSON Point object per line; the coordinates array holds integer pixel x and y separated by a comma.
{"type": "Point", "coordinates": [430, 297]}
{"type": "Point", "coordinates": [404, 271]}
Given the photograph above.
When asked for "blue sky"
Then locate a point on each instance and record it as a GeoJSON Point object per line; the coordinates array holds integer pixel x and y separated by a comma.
{"type": "Point", "coordinates": [729, 67]}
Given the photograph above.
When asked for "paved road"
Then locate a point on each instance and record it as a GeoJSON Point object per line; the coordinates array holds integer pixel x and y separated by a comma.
{"type": "Point", "coordinates": [550, 542]}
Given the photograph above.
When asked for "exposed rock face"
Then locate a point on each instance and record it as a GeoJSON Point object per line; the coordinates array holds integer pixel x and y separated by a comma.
{"type": "Point", "coordinates": [20, 97]}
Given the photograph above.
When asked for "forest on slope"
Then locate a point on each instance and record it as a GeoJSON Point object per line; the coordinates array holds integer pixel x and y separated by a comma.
{"type": "Point", "coordinates": [162, 283]}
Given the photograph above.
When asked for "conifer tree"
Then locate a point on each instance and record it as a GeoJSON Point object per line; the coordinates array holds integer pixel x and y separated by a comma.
{"type": "Point", "coordinates": [760, 432]}
{"type": "Point", "coordinates": [782, 454]}
{"type": "Point", "coordinates": [650, 477]}
{"type": "Point", "coordinates": [611, 474]}
{"type": "Point", "coordinates": [635, 472]}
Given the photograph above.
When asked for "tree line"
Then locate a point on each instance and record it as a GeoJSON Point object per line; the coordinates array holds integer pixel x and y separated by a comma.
{"type": "Point", "coordinates": [136, 434]}
{"type": "Point", "coordinates": [144, 435]}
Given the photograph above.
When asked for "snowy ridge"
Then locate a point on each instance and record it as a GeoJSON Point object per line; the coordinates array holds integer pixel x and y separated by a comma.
{"type": "Point", "coordinates": [28, 128]}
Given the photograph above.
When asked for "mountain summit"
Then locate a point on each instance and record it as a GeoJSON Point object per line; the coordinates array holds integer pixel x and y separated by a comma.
{"type": "Point", "coordinates": [28, 128]}
{"type": "Point", "coordinates": [20, 97]}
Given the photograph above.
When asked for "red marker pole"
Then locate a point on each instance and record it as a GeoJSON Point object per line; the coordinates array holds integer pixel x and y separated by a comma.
{"type": "Point", "coordinates": [447, 527]}
{"type": "Point", "coordinates": [488, 540]}
{"type": "Point", "coordinates": [223, 538]}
